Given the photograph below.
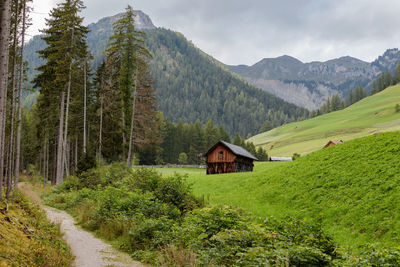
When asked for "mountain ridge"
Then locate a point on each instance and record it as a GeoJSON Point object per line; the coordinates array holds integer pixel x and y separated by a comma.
{"type": "Point", "coordinates": [190, 84]}
{"type": "Point", "coordinates": [310, 84]}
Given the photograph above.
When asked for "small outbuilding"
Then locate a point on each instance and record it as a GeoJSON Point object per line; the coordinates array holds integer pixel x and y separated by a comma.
{"type": "Point", "coordinates": [280, 159]}
{"type": "Point", "coordinates": [333, 143]}
{"type": "Point", "coordinates": [224, 157]}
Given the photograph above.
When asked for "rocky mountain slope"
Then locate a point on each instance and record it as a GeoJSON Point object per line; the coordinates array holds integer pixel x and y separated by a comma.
{"type": "Point", "coordinates": [190, 84]}
{"type": "Point", "coordinates": [310, 84]}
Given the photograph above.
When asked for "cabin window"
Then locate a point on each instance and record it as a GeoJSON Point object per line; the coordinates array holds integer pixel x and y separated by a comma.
{"type": "Point", "coordinates": [221, 155]}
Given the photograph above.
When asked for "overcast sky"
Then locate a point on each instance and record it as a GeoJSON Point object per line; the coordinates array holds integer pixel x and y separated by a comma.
{"type": "Point", "coordinates": [246, 31]}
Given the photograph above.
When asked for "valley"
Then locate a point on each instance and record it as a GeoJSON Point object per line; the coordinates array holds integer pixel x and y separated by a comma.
{"type": "Point", "coordinates": [374, 114]}
{"type": "Point", "coordinates": [142, 149]}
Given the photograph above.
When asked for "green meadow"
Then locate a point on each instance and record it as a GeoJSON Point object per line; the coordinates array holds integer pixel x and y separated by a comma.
{"type": "Point", "coordinates": [371, 115]}
{"type": "Point", "coordinates": [352, 189]}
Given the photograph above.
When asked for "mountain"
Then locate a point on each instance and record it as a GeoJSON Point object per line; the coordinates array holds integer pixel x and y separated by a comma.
{"type": "Point", "coordinates": [371, 115]}
{"type": "Point", "coordinates": [310, 84]}
{"type": "Point", "coordinates": [190, 84]}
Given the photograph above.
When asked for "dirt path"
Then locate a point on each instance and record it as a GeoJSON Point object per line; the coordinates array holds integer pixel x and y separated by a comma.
{"type": "Point", "coordinates": [88, 250]}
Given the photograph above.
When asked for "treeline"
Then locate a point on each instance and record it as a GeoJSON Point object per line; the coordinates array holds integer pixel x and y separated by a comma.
{"type": "Point", "coordinates": [335, 103]}
{"type": "Point", "coordinates": [13, 20]}
{"type": "Point", "coordinates": [385, 80]}
{"type": "Point", "coordinates": [185, 143]}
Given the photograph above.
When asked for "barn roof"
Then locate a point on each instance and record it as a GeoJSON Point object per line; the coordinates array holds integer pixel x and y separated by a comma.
{"type": "Point", "coordinates": [237, 150]}
{"type": "Point", "coordinates": [281, 159]}
{"type": "Point", "coordinates": [333, 142]}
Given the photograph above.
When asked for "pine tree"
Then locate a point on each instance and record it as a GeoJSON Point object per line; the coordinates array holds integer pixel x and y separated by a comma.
{"type": "Point", "coordinates": [211, 134]}
{"type": "Point", "coordinates": [66, 49]}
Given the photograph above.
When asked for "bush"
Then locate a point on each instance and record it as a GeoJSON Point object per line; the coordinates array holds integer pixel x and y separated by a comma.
{"type": "Point", "coordinates": [183, 158]}
{"type": "Point", "coordinates": [296, 156]}
{"type": "Point", "coordinates": [85, 163]}
{"type": "Point", "coordinates": [173, 190]}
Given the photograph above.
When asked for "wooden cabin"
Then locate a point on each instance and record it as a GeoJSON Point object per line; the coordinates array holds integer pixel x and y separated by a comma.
{"type": "Point", "coordinates": [224, 157]}
{"type": "Point", "coordinates": [333, 143]}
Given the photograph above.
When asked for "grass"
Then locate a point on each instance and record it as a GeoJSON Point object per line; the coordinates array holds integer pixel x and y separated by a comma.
{"type": "Point", "coordinates": [371, 115]}
{"type": "Point", "coordinates": [353, 189]}
{"type": "Point", "coordinates": [27, 238]}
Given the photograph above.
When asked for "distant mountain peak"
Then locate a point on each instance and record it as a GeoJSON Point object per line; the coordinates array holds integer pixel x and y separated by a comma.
{"type": "Point", "coordinates": [389, 60]}
{"type": "Point", "coordinates": [142, 21]}
{"type": "Point", "coordinates": [282, 59]}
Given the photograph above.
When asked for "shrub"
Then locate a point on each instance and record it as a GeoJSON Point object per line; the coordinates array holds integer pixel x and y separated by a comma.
{"type": "Point", "coordinates": [149, 234]}
{"type": "Point", "coordinates": [85, 163]}
{"type": "Point", "coordinates": [173, 190]}
{"type": "Point", "coordinates": [296, 156]}
{"type": "Point", "coordinates": [183, 158]}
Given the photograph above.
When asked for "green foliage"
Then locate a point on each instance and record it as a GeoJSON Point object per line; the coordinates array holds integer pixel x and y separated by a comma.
{"type": "Point", "coordinates": [192, 139]}
{"type": "Point", "coordinates": [227, 236]}
{"type": "Point", "coordinates": [85, 163]}
{"type": "Point", "coordinates": [146, 212]}
{"type": "Point", "coordinates": [384, 81]}
{"type": "Point", "coordinates": [183, 158]}
{"type": "Point", "coordinates": [397, 108]}
{"type": "Point", "coordinates": [296, 156]}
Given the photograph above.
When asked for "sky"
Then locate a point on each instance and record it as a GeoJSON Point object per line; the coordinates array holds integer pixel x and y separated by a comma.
{"type": "Point", "coordinates": [246, 31]}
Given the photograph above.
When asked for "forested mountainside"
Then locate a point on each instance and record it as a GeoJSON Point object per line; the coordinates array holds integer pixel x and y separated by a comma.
{"type": "Point", "coordinates": [310, 84]}
{"type": "Point", "coordinates": [191, 85]}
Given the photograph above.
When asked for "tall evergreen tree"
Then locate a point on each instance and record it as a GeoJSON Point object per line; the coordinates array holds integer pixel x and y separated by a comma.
{"type": "Point", "coordinates": [65, 37]}
{"type": "Point", "coordinates": [128, 58]}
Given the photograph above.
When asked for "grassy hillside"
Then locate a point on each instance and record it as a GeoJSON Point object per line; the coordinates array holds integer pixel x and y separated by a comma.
{"type": "Point", "coordinates": [371, 115]}
{"type": "Point", "coordinates": [27, 238]}
{"type": "Point", "coordinates": [353, 189]}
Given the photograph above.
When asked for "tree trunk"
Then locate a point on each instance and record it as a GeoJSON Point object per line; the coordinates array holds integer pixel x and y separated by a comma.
{"type": "Point", "coordinates": [130, 151]}
{"type": "Point", "coordinates": [47, 159]}
{"type": "Point", "coordinates": [21, 80]}
{"type": "Point", "coordinates": [101, 127]}
{"type": "Point", "coordinates": [123, 134]}
{"type": "Point", "coordinates": [45, 163]}
{"type": "Point", "coordinates": [84, 109]}
{"type": "Point", "coordinates": [76, 153]}
{"type": "Point", "coordinates": [67, 108]}
{"type": "Point", "coordinates": [13, 87]}
{"type": "Point", "coordinates": [59, 175]}
{"type": "Point", "coordinates": [4, 60]}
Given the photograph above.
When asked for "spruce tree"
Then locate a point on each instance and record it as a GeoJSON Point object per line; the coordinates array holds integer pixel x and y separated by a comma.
{"type": "Point", "coordinates": [128, 60]}
{"type": "Point", "coordinates": [65, 37]}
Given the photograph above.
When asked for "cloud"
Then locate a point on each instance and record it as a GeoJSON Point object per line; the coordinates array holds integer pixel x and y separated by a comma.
{"type": "Point", "coordinates": [244, 32]}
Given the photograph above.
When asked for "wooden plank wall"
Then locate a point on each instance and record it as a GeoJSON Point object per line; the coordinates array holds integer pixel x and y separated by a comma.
{"type": "Point", "coordinates": [227, 156]}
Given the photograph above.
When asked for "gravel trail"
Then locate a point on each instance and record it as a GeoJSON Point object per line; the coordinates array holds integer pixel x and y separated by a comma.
{"type": "Point", "coordinates": [88, 250]}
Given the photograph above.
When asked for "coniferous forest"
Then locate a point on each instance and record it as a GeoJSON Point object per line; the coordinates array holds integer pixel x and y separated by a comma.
{"type": "Point", "coordinates": [83, 116]}
{"type": "Point", "coordinates": [191, 85]}
{"type": "Point", "coordinates": [96, 108]}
